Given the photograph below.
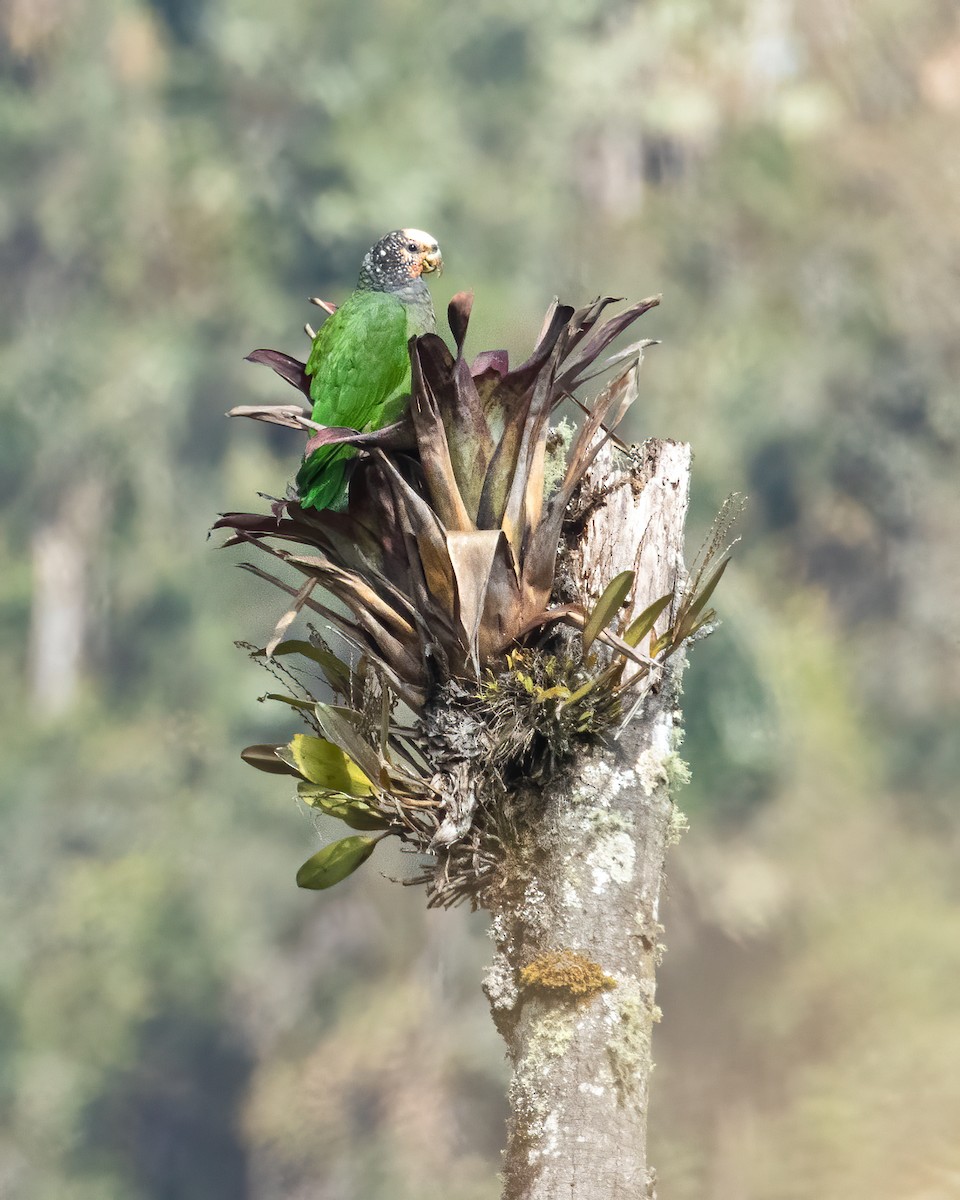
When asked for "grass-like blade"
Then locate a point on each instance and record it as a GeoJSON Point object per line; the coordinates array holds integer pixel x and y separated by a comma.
{"type": "Point", "coordinates": [638, 629]}
{"type": "Point", "coordinates": [607, 607]}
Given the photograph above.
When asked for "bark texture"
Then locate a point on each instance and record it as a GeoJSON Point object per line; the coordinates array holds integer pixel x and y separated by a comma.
{"type": "Point", "coordinates": [572, 982]}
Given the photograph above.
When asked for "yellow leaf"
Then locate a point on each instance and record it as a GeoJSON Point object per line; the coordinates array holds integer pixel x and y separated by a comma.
{"type": "Point", "coordinates": [323, 763]}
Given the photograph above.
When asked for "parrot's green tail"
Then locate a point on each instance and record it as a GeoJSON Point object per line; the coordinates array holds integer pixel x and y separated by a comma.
{"type": "Point", "coordinates": [322, 478]}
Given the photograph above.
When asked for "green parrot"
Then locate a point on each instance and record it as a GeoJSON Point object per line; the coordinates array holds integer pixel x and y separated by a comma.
{"type": "Point", "coordinates": [359, 367]}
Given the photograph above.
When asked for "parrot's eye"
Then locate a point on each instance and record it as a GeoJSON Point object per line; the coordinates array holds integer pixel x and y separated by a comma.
{"type": "Point", "coordinates": [412, 247]}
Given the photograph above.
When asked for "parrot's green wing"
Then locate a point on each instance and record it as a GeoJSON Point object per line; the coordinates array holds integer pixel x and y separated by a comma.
{"type": "Point", "coordinates": [360, 370]}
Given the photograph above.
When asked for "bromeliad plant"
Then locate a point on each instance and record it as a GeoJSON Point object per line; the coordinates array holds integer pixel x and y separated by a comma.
{"type": "Point", "coordinates": [464, 669]}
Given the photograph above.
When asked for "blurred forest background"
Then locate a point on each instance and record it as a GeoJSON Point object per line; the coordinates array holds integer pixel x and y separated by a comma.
{"type": "Point", "coordinates": [177, 1020]}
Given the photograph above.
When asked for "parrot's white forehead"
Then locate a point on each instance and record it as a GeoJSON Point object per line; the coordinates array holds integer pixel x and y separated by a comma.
{"type": "Point", "coordinates": [418, 235]}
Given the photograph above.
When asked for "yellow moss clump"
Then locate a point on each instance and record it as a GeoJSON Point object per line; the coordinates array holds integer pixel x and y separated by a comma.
{"type": "Point", "coordinates": [566, 971]}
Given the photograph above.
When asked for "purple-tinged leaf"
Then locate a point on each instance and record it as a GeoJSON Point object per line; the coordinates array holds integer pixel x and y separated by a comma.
{"type": "Point", "coordinates": [361, 597]}
{"type": "Point", "coordinates": [264, 758]}
{"type": "Point", "coordinates": [254, 522]}
{"type": "Point", "coordinates": [634, 350]}
{"type": "Point", "coordinates": [458, 318]}
{"type": "Point", "coordinates": [290, 369]}
{"type": "Point", "coordinates": [350, 632]}
{"type": "Point", "coordinates": [588, 353]}
{"type": "Point", "coordinates": [495, 362]}
{"type": "Point", "coordinates": [431, 538]}
{"type": "Point", "coordinates": [583, 319]}
{"type": "Point", "coordinates": [520, 378]}
{"type": "Point", "coordinates": [398, 436]}
{"type": "Point", "coordinates": [326, 435]}
{"type": "Point", "coordinates": [549, 318]}
{"type": "Point", "coordinates": [468, 436]}
{"type": "Point", "coordinates": [434, 451]}
{"type": "Point", "coordinates": [525, 500]}
{"type": "Point", "coordinates": [618, 396]}
{"type": "Point", "coordinates": [541, 550]}
{"type": "Point", "coordinates": [505, 401]}
{"type": "Point", "coordinates": [454, 396]}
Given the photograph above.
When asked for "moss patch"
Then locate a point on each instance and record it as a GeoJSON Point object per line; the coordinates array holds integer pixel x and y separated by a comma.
{"type": "Point", "coordinates": [564, 972]}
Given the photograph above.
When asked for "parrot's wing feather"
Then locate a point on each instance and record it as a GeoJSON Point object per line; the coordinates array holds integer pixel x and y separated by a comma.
{"type": "Point", "coordinates": [359, 361]}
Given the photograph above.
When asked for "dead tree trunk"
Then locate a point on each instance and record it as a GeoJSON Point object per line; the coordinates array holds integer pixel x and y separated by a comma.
{"type": "Point", "coordinates": [62, 548]}
{"type": "Point", "coordinates": [576, 930]}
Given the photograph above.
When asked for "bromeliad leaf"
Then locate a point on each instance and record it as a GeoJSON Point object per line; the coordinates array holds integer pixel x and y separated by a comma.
{"type": "Point", "coordinates": [458, 317]}
{"type": "Point", "coordinates": [607, 607]}
{"type": "Point", "coordinates": [290, 369]}
{"type": "Point", "coordinates": [335, 862]}
{"type": "Point", "coordinates": [326, 765]}
{"type": "Point", "coordinates": [477, 466]}
{"type": "Point", "coordinates": [290, 615]}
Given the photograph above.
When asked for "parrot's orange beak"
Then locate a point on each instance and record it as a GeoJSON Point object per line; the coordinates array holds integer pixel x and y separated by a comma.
{"type": "Point", "coordinates": [432, 261]}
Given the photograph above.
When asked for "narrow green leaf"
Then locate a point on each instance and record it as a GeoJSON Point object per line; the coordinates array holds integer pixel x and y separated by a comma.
{"type": "Point", "coordinates": [292, 701]}
{"type": "Point", "coordinates": [662, 642]}
{"type": "Point", "coordinates": [336, 671]}
{"type": "Point", "coordinates": [583, 690]}
{"type": "Point", "coordinates": [335, 862]}
{"type": "Point", "coordinates": [638, 629]}
{"type": "Point", "coordinates": [327, 765]}
{"type": "Point", "coordinates": [352, 811]}
{"type": "Point", "coordinates": [264, 758]}
{"type": "Point", "coordinates": [706, 618]}
{"type": "Point", "coordinates": [708, 589]}
{"type": "Point", "coordinates": [607, 607]}
{"type": "Point", "coordinates": [688, 621]}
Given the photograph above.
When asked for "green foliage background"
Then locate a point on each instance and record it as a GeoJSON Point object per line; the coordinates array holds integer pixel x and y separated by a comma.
{"type": "Point", "coordinates": [176, 1019]}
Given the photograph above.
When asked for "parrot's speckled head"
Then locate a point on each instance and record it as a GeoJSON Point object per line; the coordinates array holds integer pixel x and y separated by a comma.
{"type": "Point", "coordinates": [399, 259]}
